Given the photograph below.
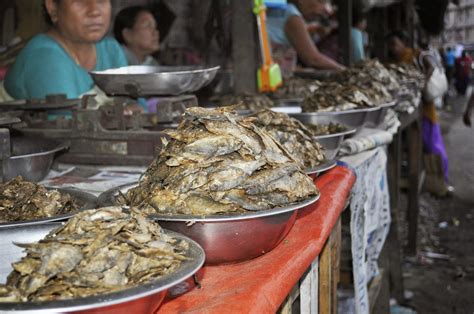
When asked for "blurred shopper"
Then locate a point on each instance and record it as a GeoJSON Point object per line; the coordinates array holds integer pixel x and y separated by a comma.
{"type": "Point", "coordinates": [433, 144]}
{"type": "Point", "coordinates": [359, 24]}
{"type": "Point", "coordinates": [468, 111]}
{"type": "Point", "coordinates": [463, 72]}
{"type": "Point", "coordinates": [289, 36]}
{"type": "Point", "coordinates": [135, 28]}
{"type": "Point", "coordinates": [449, 63]}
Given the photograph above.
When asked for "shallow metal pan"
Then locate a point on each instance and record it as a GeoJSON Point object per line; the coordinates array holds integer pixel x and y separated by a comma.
{"type": "Point", "coordinates": [321, 168]}
{"type": "Point", "coordinates": [84, 200]}
{"type": "Point", "coordinates": [142, 80]}
{"type": "Point", "coordinates": [125, 301]}
{"type": "Point", "coordinates": [354, 118]}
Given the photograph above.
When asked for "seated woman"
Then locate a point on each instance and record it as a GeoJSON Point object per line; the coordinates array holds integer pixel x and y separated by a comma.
{"type": "Point", "coordinates": [288, 33]}
{"type": "Point", "coordinates": [58, 61]}
{"type": "Point", "coordinates": [135, 28]}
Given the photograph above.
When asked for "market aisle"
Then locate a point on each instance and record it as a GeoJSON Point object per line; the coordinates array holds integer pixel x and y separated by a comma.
{"type": "Point", "coordinates": [445, 283]}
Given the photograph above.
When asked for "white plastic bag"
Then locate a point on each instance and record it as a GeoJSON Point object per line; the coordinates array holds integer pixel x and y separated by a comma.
{"type": "Point", "coordinates": [436, 86]}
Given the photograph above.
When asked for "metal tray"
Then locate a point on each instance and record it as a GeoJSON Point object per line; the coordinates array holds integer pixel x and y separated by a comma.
{"type": "Point", "coordinates": [288, 102]}
{"type": "Point", "coordinates": [228, 238]}
{"type": "Point", "coordinates": [142, 80]}
{"type": "Point", "coordinates": [32, 157]}
{"type": "Point", "coordinates": [85, 201]}
{"type": "Point", "coordinates": [354, 118]}
{"type": "Point", "coordinates": [125, 301]}
{"type": "Point", "coordinates": [376, 117]}
{"type": "Point", "coordinates": [321, 168]}
{"type": "Point", "coordinates": [332, 142]}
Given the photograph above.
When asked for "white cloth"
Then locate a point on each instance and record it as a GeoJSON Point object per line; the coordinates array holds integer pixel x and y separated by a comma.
{"type": "Point", "coordinates": [364, 140]}
{"type": "Point", "coordinates": [370, 219]}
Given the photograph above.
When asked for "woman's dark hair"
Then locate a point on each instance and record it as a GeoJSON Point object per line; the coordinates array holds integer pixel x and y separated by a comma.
{"type": "Point", "coordinates": [46, 16]}
{"type": "Point", "coordinates": [127, 18]}
{"type": "Point", "coordinates": [357, 16]}
{"type": "Point", "coordinates": [398, 34]}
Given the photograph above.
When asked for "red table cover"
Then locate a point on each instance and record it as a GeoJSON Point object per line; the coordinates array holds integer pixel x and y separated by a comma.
{"type": "Point", "coordinates": [262, 284]}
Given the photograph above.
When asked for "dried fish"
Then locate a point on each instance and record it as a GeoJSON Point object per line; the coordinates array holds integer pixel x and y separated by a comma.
{"type": "Point", "coordinates": [245, 101]}
{"type": "Point", "coordinates": [326, 129]}
{"type": "Point", "coordinates": [294, 136]}
{"type": "Point", "coordinates": [23, 200]}
{"type": "Point", "coordinates": [295, 87]}
{"type": "Point", "coordinates": [216, 162]}
{"type": "Point", "coordinates": [96, 252]}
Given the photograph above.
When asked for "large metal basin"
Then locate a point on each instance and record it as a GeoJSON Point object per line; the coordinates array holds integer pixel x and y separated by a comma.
{"type": "Point", "coordinates": [145, 298]}
{"type": "Point", "coordinates": [355, 118]}
{"type": "Point", "coordinates": [332, 142]}
{"type": "Point", "coordinates": [376, 117]}
{"type": "Point", "coordinates": [228, 238]}
{"type": "Point", "coordinates": [142, 80]}
{"type": "Point", "coordinates": [31, 157]}
{"type": "Point", "coordinates": [83, 199]}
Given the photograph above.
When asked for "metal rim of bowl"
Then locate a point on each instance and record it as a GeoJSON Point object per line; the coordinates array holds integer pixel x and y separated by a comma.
{"type": "Point", "coordinates": [348, 131]}
{"type": "Point", "coordinates": [243, 216]}
{"type": "Point", "coordinates": [323, 167]}
{"type": "Point", "coordinates": [197, 70]}
{"type": "Point", "coordinates": [332, 113]}
{"type": "Point", "coordinates": [190, 267]}
{"type": "Point", "coordinates": [59, 148]}
{"type": "Point", "coordinates": [89, 199]}
{"type": "Point", "coordinates": [108, 195]}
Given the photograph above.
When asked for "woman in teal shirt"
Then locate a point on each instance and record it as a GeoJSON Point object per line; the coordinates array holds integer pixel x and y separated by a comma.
{"type": "Point", "coordinates": [58, 61]}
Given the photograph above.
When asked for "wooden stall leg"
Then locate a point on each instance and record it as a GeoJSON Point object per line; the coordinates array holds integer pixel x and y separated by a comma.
{"type": "Point", "coordinates": [329, 272]}
{"type": "Point", "coordinates": [414, 163]}
{"type": "Point", "coordinates": [393, 239]}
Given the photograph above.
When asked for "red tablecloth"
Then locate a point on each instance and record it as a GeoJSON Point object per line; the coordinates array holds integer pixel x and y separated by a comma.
{"type": "Point", "coordinates": [262, 284]}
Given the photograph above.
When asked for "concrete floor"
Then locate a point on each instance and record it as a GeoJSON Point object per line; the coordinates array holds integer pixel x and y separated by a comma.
{"type": "Point", "coordinates": [445, 284]}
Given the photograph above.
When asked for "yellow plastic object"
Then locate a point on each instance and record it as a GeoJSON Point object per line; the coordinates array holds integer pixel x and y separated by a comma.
{"type": "Point", "coordinates": [269, 75]}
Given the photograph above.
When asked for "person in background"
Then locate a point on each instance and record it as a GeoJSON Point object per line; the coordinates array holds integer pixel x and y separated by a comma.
{"type": "Point", "coordinates": [135, 28]}
{"type": "Point", "coordinates": [433, 143]}
{"type": "Point", "coordinates": [59, 61]}
{"type": "Point", "coordinates": [289, 36]}
{"type": "Point", "coordinates": [449, 62]}
{"type": "Point", "coordinates": [468, 111]}
{"type": "Point", "coordinates": [359, 24]}
{"type": "Point", "coordinates": [463, 72]}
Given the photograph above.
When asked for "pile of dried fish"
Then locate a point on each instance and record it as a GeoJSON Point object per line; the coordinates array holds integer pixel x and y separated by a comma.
{"type": "Point", "coordinates": [326, 129]}
{"type": "Point", "coordinates": [367, 84]}
{"type": "Point", "coordinates": [295, 87]}
{"type": "Point", "coordinates": [406, 73]}
{"type": "Point", "coordinates": [294, 136]}
{"type": "Point", "coordinates": [96, 252]}
{"type": "Point", "coordinates": [333, 96]}
{"type": "Point", "coordinates": [246, 101]}
{"type": "Point", "coordinates": [23, 200]}
{"type": "Point", "coordinates": [220, 162]}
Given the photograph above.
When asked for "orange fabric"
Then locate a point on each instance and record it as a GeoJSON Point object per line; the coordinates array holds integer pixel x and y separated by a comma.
{"type": "Point", "coordinates": [261, 285]}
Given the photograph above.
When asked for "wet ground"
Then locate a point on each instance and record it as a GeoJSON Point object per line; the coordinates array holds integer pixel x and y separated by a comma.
{"type": "Point", "coordinates": [441, 278]}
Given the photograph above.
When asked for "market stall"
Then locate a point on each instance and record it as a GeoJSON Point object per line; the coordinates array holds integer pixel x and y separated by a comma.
{"type": "Point", "coordinates": [249, 190]}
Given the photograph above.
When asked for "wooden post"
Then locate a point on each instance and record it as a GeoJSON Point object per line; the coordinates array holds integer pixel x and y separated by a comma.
{"type": "Point", "coordinates": [329, 272]}
{"type": "Point", "coordinates": [393, 239]}
{"type": "Point", "coordinates": [414, 163]}
{"type": "Point", "coordinates": [344, 16]}
{"type": "Point", "coordinates": [244, 47]}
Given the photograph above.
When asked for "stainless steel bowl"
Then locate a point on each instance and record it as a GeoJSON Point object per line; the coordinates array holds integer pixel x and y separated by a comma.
{"type": "Point", "coordinates": [313, 173]}
{"type": "Point", "coordinates": [288, 102]}
{"type": "Point", "coordinates": [228, 238]}
{"type": "Point", "coordinates": [84, 201]}
{"type": "Point", "coordinates": [332, 142]}
{"type": "Point", "coordinates": [353, 118]}
{"type": "Point", "coordinates": [376, 117]}
{"type": "Point", "coordinates": [142, 80]}
{"type": "Point", "coordinates": [31, 157]}
{"type": "Point", "coordinates": [144, 298]}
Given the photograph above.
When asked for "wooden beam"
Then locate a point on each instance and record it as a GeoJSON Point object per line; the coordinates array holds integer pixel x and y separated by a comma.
{"type": "Point", "coordinates": [244, 47]}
